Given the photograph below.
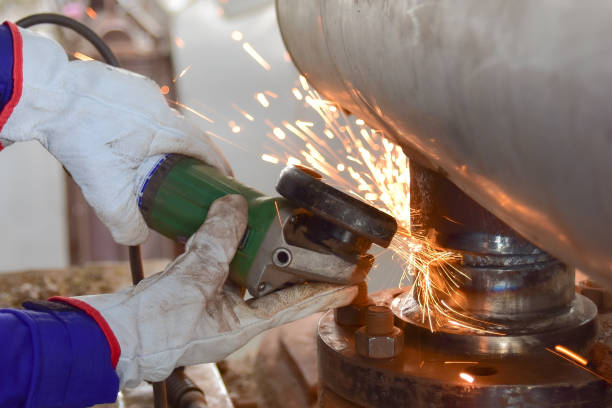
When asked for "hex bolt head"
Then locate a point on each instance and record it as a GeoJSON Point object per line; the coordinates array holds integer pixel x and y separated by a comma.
{"type": "Point", "coordinates": [379, 338]}
{"type": "Point", "coordinates": [386, 346]}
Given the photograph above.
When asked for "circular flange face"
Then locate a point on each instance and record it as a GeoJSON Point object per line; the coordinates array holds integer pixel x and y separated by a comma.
{"type": "Point", "coordinates": [305, 190]}
{"type": "Point", "coordinates": [423, 375]}
{"type": "Point", "coordinates": [574, 327]}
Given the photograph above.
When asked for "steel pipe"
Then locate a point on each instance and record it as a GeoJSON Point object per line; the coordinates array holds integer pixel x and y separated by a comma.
{"type": "Point", "coordinates": [511, 100]}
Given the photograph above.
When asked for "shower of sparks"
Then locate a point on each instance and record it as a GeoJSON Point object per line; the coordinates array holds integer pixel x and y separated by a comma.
{"type": "Point", "coordinates": [255, 55]}
{"type": "Point", "coordinates": [435, 278]}
{"type": "Point", "coordinates": [466, 377]}
{"type": "Point", "coordinates": [365, 164]}
{"type": "Point", "coordinates": [82, 57]}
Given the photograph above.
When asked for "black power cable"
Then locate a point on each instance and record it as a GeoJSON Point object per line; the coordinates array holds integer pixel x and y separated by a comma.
{"type": "Point", "coordinates": [80, 28]}
{"type": "Point", "coordinates": [109, 58]}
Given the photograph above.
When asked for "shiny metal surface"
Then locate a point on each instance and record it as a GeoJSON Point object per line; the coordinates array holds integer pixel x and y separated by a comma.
{"type": "Point", "coordinates": [507, 99]}
{"type": "Point", "coordinates": [516, 292]}
{"type": "Point", "coordinates": [575, 328]}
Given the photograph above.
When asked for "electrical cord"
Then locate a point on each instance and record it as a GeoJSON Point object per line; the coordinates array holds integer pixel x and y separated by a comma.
{"type": "Point", "coordinates": [109, 57]}
{"type": "Point", "coordinates": [80, 28]}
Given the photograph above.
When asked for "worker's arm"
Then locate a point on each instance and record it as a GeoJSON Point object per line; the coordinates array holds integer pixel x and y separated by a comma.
{"type": "Point", "coordinates": [54, 355]}
{"type": "Point", "coordinates": [100, 122]}
{"type": "Point", "coordinates": [78, 352]}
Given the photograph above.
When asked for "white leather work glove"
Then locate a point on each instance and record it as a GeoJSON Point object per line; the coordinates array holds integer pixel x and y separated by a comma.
{"type": "Point", "coordinates": [185, 316]}
{"type": "Point", "coordinates": [101, 123]}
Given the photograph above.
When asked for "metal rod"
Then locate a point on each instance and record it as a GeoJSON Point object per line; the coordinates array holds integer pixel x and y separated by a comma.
{"type": "Point", "coordinates": [136, 264]}
{"type": "Point", "coordinates": [160, 399]}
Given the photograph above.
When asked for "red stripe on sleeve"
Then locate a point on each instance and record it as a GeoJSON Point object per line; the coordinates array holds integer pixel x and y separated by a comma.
{"type": "Point", "coordinates": [17, 75]}
{"type": "Point", "coordinates": [113, 344]}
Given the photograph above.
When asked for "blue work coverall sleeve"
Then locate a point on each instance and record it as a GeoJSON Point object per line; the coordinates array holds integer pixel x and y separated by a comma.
{"type": "Point", "coordinates": [54, 355]}
{"type": "Point", "coordinates": [51, 354]}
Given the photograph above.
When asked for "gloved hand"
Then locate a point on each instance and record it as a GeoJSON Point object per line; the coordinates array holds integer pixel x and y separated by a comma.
{"type": "Point", "coordinates": [185, 316]}
{"type": "Point", "coordinates": [101, 123]}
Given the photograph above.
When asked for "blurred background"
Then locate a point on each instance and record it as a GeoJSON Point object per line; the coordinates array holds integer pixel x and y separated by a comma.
{"type": "Point", "coordinates": [221, 62]}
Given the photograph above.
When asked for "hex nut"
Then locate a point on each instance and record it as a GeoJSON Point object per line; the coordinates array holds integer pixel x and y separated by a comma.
{"type": "Point", "coordinates": [385, 346]}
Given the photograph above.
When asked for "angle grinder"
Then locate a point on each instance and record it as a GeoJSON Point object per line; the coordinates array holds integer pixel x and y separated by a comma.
{"type": "Point", "coordinates": [314, 232]}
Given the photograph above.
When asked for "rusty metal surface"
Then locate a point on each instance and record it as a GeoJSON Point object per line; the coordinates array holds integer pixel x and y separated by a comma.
{"type": "Point", "coordinates": [419, 377]}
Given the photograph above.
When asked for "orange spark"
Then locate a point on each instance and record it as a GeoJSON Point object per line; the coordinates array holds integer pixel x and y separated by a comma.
{"type": "Point", "coordinates": [91, 13]}
{"type": "Point", "coordinates": [304, 83]}
{"type": "Point", "coordinates": [179, 42]}
{"type": "Point", "coordinates": [82, 57]}
{"type": "Point", "coordinates": [292, 161]}
{"type": "Point", "coordinates": [569, 353]}
{"type": "Point", "coordinates": [190, 109]}
{"type": "Point", "coordinates": [164, 90]}
{"type": "Point", "coordinates": [467, 377]}
{"type": "Point", "coordinates": [255, 55]}
{"type": "Point", "coordinates": [278, 132]}
{"type": "Point", "coordinates": [247, 115]}
{"type": "Point", "coordinates": [261, 98]}
{"type": "Point", "coordinates": [271, 94]}
{"type": "Point", "coordinates": [183, 72]}
{"type": "Point", "coordinates": [235, 128]}
{"type": "Point", "coordinates": [236, 35]}
{"type": "Point", "coordinates": [298, 95]}
{"type": "Point", "coordinates": [216, 136]}
{"type": "Point", "coordinates": [269, 159]}
{"type": "Point", "coordinates": [278, 213]}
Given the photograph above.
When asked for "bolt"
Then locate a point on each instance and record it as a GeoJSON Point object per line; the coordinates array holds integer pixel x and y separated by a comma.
{"type": "Point", "coordinates": [354, 314]}
{"type": "Point", "coordinates": [379, 338]}
{"type": "Point", "coordinates": [379, 320]}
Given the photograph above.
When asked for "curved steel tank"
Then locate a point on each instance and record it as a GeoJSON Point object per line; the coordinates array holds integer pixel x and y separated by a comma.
{"type": "Point", "coordinates": [511, 100]}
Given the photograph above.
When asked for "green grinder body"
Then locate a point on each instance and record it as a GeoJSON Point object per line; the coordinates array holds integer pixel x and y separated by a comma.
{"type": "Point", "coordinates": [177, 193]}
